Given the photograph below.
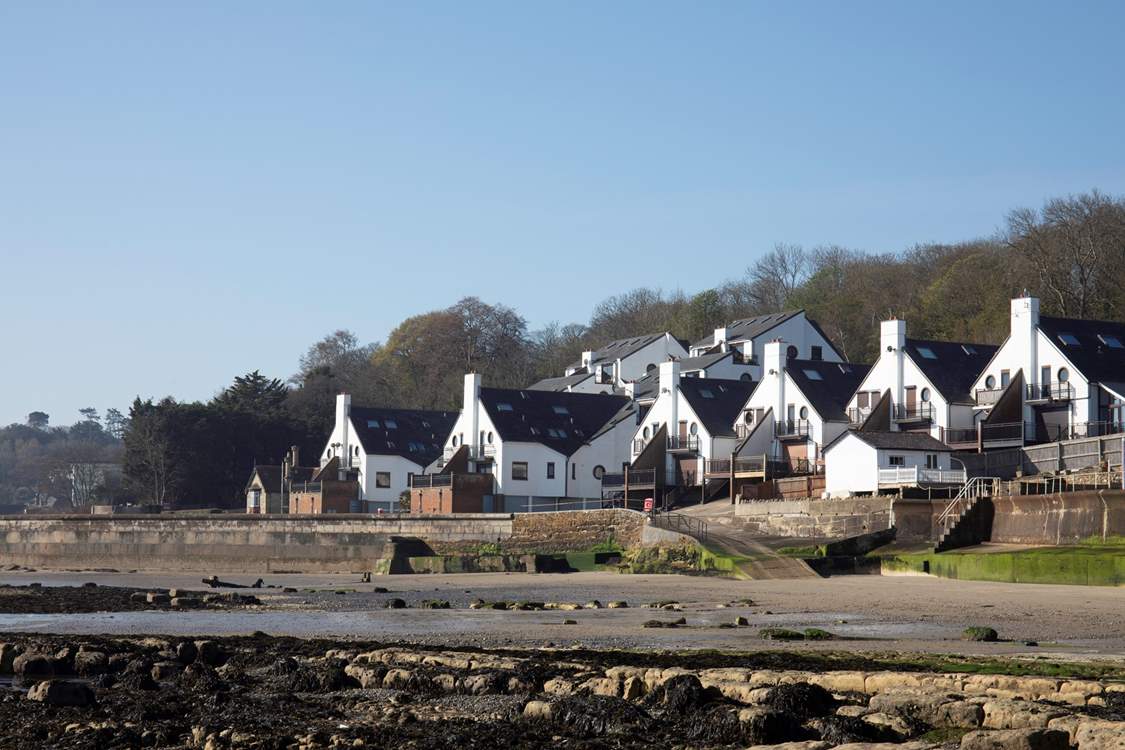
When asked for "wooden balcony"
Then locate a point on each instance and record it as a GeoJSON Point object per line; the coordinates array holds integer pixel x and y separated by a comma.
{"type": "Point", "coordinates": [631, 478]}
{"type": "Point", "coordinates": [744, 467]}
{"type": "Point", "coordinates": [918, 476]}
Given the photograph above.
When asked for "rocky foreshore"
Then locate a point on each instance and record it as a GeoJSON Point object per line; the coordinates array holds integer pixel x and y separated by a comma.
{"type": "Point", "coordinates": [266, 692]}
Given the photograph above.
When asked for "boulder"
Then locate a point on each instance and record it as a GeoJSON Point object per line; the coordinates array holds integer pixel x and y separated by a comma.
{"type": "Point", "coordinates": [33, 665]}
{"type": "Point", "coordinates": [8, 654]}
{"type": "Point", "coordinates": [1009, 714]}
{"type": "Point", "coordinates": [156, 597]}
{"type": "Point", "coordinates": [540, 710]}
{"type": "Point", "coordinates": [166, 670]}
{"type": "Point", "coordinates": [210, 653]}
{"type": "Point", "coordinates": [803, 745]}
{"type": "Point", "coordinates": [90, 663]}
{"type": "Point", "coordinates": [62, 693]}
{"type": "Point", "coordinates": [1016, 739]}
{"type": "Point", "coordinates": [186, 652]}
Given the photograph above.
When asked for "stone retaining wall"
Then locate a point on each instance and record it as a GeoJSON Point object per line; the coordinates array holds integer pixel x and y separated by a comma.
{"type": "Point", "coordinates": [816, 519]}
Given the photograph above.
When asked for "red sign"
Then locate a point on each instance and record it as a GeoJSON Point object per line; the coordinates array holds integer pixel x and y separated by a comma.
{"type": "Point", "coordinates": [649, 503]}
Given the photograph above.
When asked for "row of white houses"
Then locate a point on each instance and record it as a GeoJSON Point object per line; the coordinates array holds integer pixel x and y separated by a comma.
{"type": "Point", "coordinates": [766, 395]}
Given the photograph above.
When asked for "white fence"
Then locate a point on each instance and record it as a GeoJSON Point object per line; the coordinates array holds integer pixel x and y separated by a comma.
{"type": "Point", "coordinates": [917, 476]}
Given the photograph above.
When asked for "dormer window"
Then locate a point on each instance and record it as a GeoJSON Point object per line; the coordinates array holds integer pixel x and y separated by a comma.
{"type": "Point", "coordinates": [1069, 339]}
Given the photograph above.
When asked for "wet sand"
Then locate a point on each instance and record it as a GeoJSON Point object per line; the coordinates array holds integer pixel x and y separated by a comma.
{"type": "Point", "coordinates": [870, 613]}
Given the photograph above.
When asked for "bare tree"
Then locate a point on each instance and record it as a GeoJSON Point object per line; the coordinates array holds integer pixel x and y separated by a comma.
{"type": "Point", "coordinates": [776, 275]}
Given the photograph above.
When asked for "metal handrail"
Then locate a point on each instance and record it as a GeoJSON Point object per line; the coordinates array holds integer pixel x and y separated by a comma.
{"type": "Point", "coordinates": [1056, 391]}
{"type": "Point", "coordinates": [678, 522]}
{"type": "Point", "coordinates": [975, 488]}
{"type": "Point", "coordinates": [792, 428]}
{"type": "Point", "coordinates": [689, 442]}
{"type": "Point", "coordinates": [924, 410]}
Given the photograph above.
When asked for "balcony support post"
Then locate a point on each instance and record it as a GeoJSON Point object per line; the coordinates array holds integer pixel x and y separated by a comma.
{"type": "Point", "coordinates": [625, 499]}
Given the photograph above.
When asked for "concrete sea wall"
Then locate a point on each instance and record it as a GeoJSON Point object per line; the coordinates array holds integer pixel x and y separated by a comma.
{"type": "Point", "coordinates": [238, 543]}
{"type": "Point", "coordinates": [816, 519]}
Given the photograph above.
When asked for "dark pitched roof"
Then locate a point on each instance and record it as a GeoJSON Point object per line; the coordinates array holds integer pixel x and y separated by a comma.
{"type": "Point", "coordinates": [703, 361]}
{"type": "Point", "coordinates": [902, 441]}
{"type": "Point", "coordinates": [647, 386]}
{"type": "Point", "coordinates": [631, 411]}
{"type": "Point", "coordinates": [560, 421]}
{"type": "Point", "coordinates": [954, 367]}
{"type": "Point", "coordinates": [560, 384]}
{"type": "Point", "coordinates": [414, 434]}
{"type": "Point", "coordinates": [749, 328]}
{"type": "Point", "coordinates": [621, 348]}
{"type": "Point", "coordinates": [827, 385]}
{"type": "Point", "coordinates": [271, 476]}
{"type": "Point", "coordinates": [717, 402]}
{"type": "Point", "coordinates": [1096, 359]}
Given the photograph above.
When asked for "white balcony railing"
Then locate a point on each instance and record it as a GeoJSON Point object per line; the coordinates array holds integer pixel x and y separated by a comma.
{"type": "Point", "coordinates": [917, 476]}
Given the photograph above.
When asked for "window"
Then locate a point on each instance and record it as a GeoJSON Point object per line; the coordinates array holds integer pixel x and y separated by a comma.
{"type": "Point", "coordinates": [490, 438]}
{"type": "Point", "coordinates": [645, 433]}
{"type": "Point", "coordinates": [816, 352]}
{"type": "Point", "coordinates": [1005, 378]}
{"type": "Point", "coordinates": [599, 471]}
{"type": "Point", "coordinates": [519, 470]}
{"type": "Point", "coordinates": [706, 393]}
{"type": "Point", "coordinates": [927, 352]}
{"type": "Point", "coordinates": [804, 412]}
{"type": "Point", "coordinates": [560, 410]}
{"type": "Point", "coordinates": [1111, 341]}
{"type": "Point", "coordinates": [925, 395]}
{"type": "Point", "coordinates": [501, 406]}
{"type": "Point", "coordinates": [791, 352]}
{"type": "Point", "coordinates": [550, 469]}
{"type": "Point", "coordinates": [863, 399]}
{"type": "Point", "coordinates": [1069, 339]}
{"type": "Point", "coordinates": [896, 460]}
{"type": "Point", "coordinates": [650, 367]}
{"type": "Point", "coordinates": [382, 479]}
{"type": "Point", "coordinates": [454, 441]}
{"type": "Point", "coordinates": [931, 461]}
{"type": "Point", "coordinates": [255, 498]}
{"type": "Point", "coordinates": [813, 375]}
{"type": "Point", "coordinates": [390, 424]}
{"type": "Point", "coordinates": [694, 429]}
{"type": "Point", "coordinates": [748, 417]}
{"type": "Point", "coordinates": [990, 382]}
{"type": "Point", "coordinates": [574, 471]}
{"type": "Point", "coordinates": [1064, 374]}
{"type": "Point", "coordinates": [968, 349]}
{"type": "Point", "coordinates": [373, 424]}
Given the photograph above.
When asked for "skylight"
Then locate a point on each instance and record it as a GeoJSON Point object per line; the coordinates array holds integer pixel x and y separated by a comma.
{"type": "Point", "coordinates": [1069, 339]}
{"type": "Point", "coordinates": [502, 406]}
{"type": "Point", "coordinates": [706, 393]}
{"type": "Point", "coordinates": [390, 424]}
{"type": "Point", "coordinates": [813, 375]}
{"type": "Point", "coordinates": [373, 424]}
{"type": "Point", "coordinates": [560, 410]}
{"type": "Point", "coordinates": [1111, 341]}
{"type": "Point", "coordinates": [927, 352]}
{"type": "Point", "coordinates": [968, 349]}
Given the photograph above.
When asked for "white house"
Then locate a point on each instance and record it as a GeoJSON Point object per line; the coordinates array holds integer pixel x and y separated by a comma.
{"type": "Point", "coordinates": [804, 339]}
{"type": "Point", "coordinates": [624, 360]}
{"type": "Point", "coordinates": [861, 463]}
{"type": "Point", "coordinates": [805, 401]}
{"type": "Point", "coordinates": [726, 365]}
{"type": "Point", "coordinates": [695, 417]}
{"type": "Point", "coordinates": [540, 444]}
{"type": "Point", "coordinates": [930, 385]}
{"type": "Point", "coordinates": [385, 446]}
{"type": "Point", "coordinates": [1070, 373]}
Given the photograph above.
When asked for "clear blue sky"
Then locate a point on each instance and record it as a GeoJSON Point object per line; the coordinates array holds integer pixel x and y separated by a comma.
{"type": "Point", "coordinates": [189, 191]}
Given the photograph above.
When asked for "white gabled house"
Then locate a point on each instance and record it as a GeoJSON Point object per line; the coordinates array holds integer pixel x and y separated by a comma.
{"type": "Point", "coordinates": [867, 463]}
{"type": "Point", "coordinates": [749, 337]}
{"type": "Point", "coordinates": [383, 448]}
{"type": "Point", "coordinates": [625, 360]}
{"type": "Point", "coordinates": [804, 400]}
{"type": "Point", "coordinates": [539, 445]}
{"type": "Point", "coordinates": [928, 386]}
{"type": "Point", "coordinates": [1053, 378]}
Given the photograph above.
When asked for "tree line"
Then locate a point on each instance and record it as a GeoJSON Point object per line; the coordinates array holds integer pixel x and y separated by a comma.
{"type": "Point", "coordinates": [1070, 253]}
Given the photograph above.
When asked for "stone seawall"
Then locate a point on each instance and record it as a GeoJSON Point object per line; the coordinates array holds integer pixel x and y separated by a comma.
{"type": "Point", "coordinates": [816, 519]}
{"type": "Point", "coordinates": [236, 543]}
{"type": "Point", "coordinates": [230, 543]}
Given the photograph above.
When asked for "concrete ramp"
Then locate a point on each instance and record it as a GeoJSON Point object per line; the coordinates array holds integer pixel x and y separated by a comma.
{"type": "Point", "coordinates": [759, 561]}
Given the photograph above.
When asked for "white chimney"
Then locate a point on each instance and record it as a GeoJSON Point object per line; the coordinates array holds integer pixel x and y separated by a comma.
{"type": "Point", "coordinates": [773, 375]}
{"type": "Point", "coordinates": [1025, 336]}
{"type": "Point", "coordinates": [892, 344]}
{"type": "Point", "coordinates": [471, 407]}
{"type": "Point", "coordinates": [670, 383]}
{"type": "Point", "coordinates": [587, 359]}
{"type": "Point", "coordinates": [721, 337]}
{"type": "Point", "coordinates": [343, 421]}
{"type": "Point", "coordinates": [631, 390]}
